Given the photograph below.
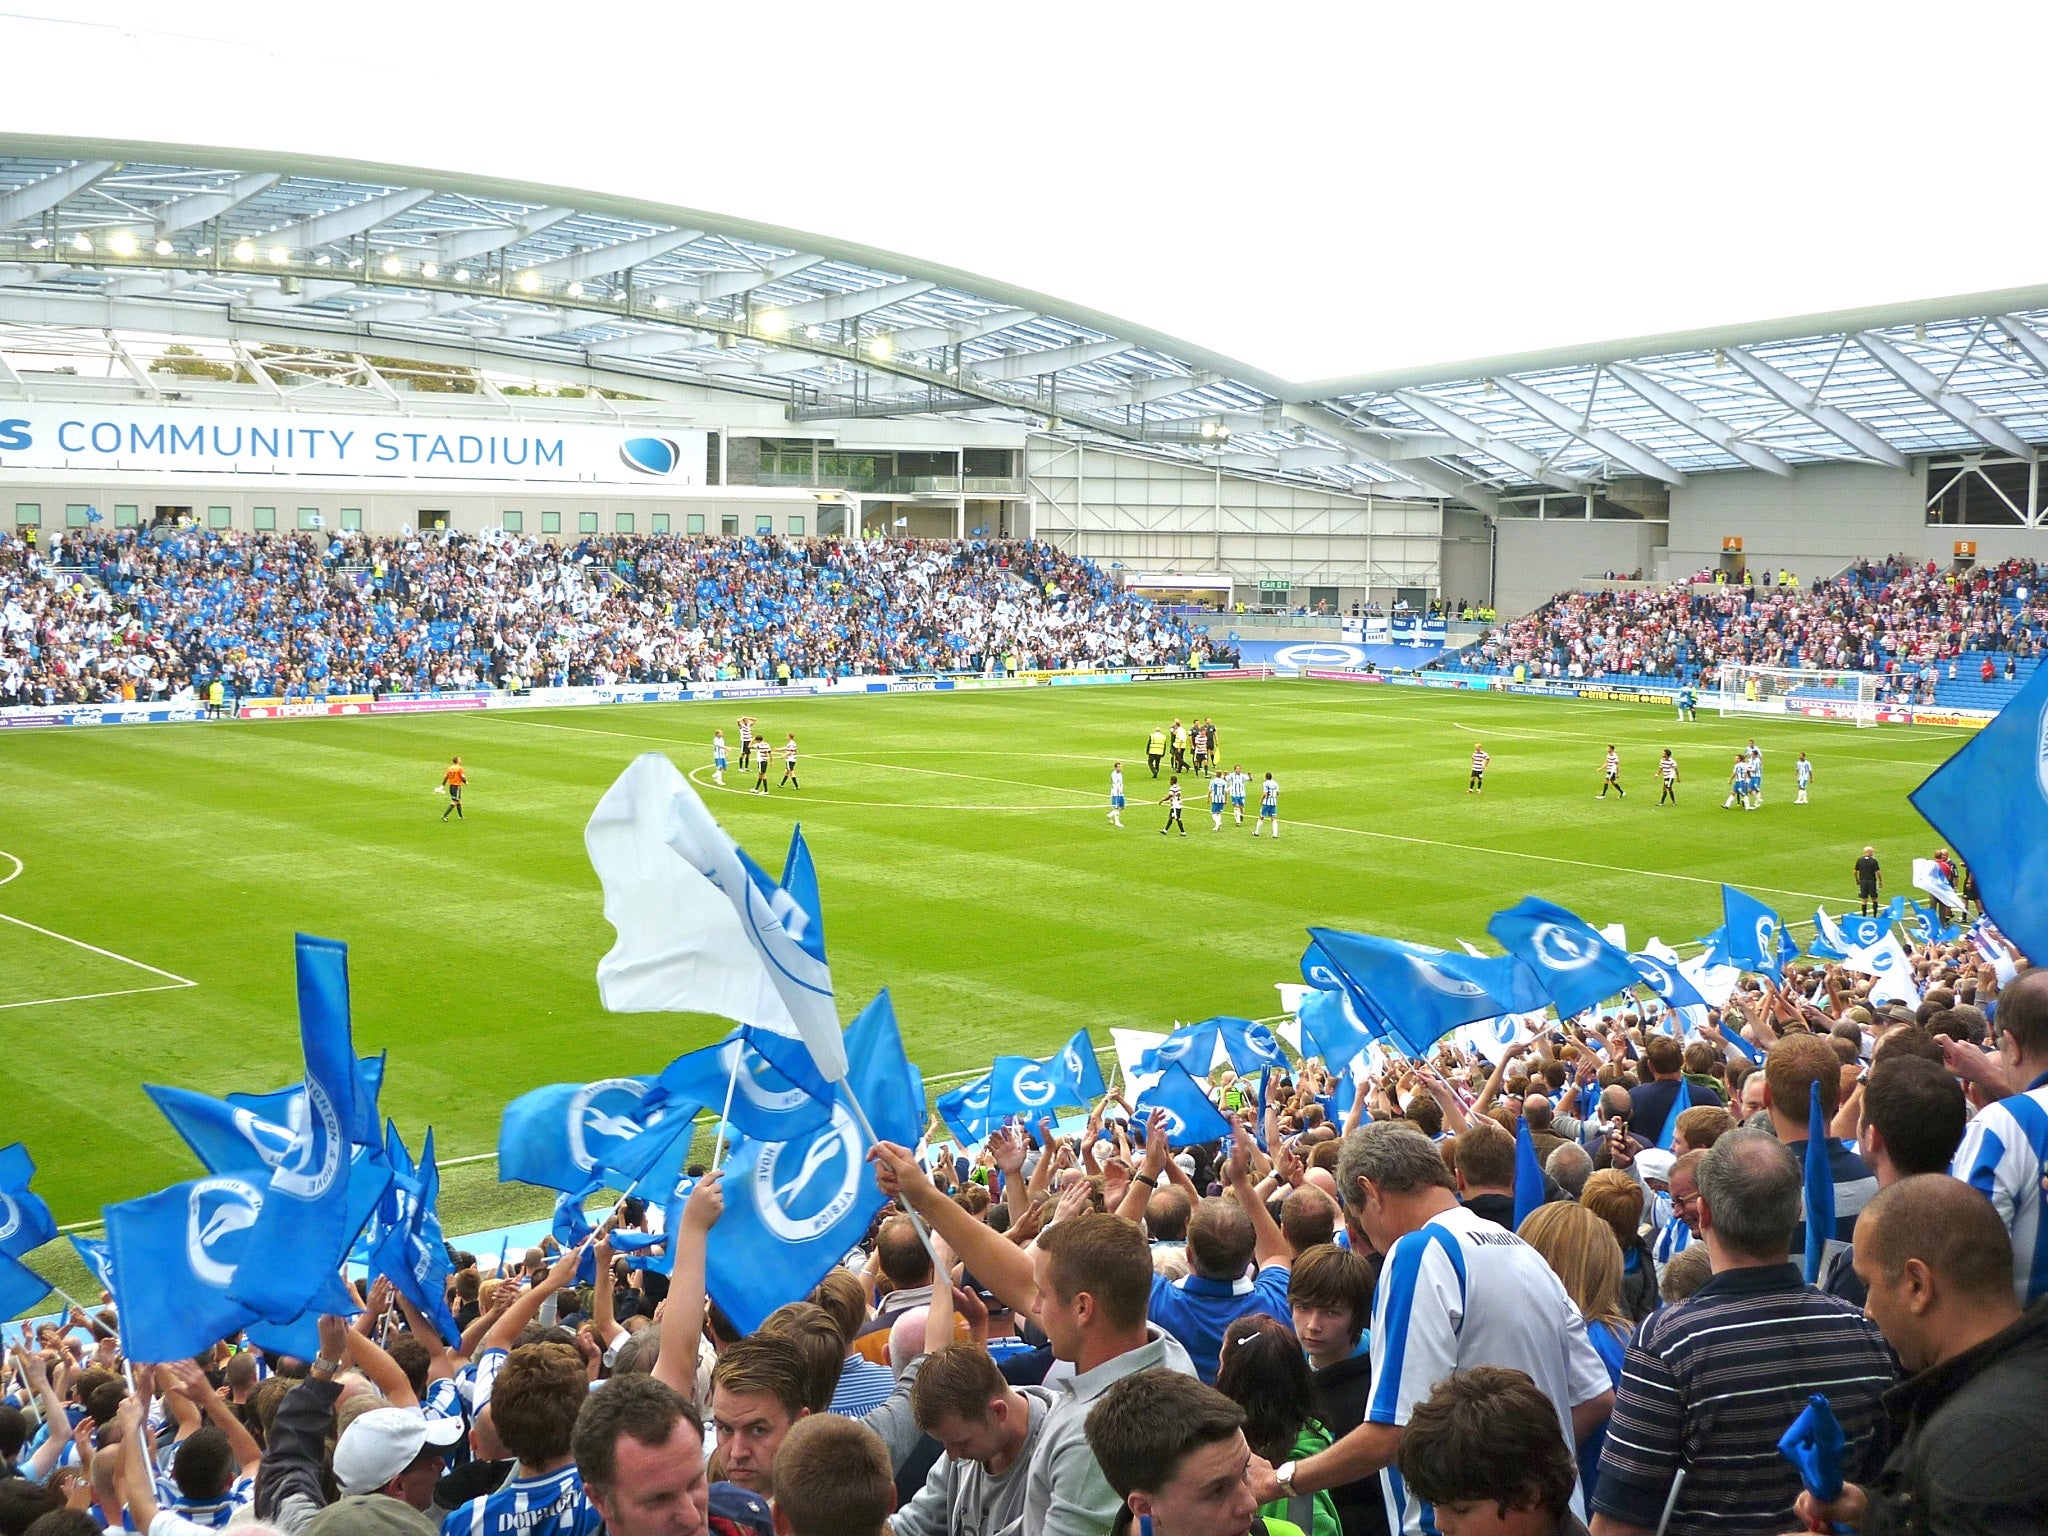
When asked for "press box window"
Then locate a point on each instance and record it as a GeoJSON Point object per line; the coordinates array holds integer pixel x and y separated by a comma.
{"type": "Point", "coordinates": [220, 517]}
{"type": "Point", "coordinates": [693, 522]}
{"type": "Point", "coordinates": [515, 522]}
{"type": "Point", "coordinates": [309, 517]}
{"type": "Point", "coordinates": [764, 522]}
{"type": "Point", "coordinates": [265, 517]}
{"type": "Point", "coordinates": [659, 522]}
{"type": "Point", "coordinates": [126, 516]}
{"type": "Point", "coordinates": [551, 522]}
{"type": "Point", "coordinates": [624, 522]}
{"type": "Point", "coordinates": [796, 527]}
{"type": "Point", "coordinates": [352, 519]}
{"type": "Point", "coordinates": [586, 522]}
{"type": "Point", "coordinates": [28, 514]}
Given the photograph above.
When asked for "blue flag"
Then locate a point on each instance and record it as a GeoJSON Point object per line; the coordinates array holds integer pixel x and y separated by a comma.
{"type": "Point", "coordinates": [570, 1225]}
{"type": "Point", "coordinates": [796, 1208]}
{"type": "Point", "coordinates": [1259, 1127]}
{"type": "Point", "coordinates": [410, 1250]}
{"type": "Point", "coordinates": [1080, 1073]}
{"type": "Point", "coordinates": [1860, 930]}
{"type": "Point", "coordinates": [25, 1222]}
{"type": "Point", "coordinates": [1529, 1188]}
{"type": "Point", "coordinates": [563, 1135]}
{"type": "Point", "coordinates": [1575, 966]}
{"type": "Point", "coordinates": [1820, 1187]}
{"type": "Point", "coordinates": [1331, 1026]}
{"type": "Point", "coordinates": [1756, 1056]}
{"type": "Point", "coordinates": [965, 1109]}
{"type": "Point", "coordinates": [1020, 1085]}
{"type": "Point", "coordinates": [225, 1137]}
{"type": "Point", "coordinates": [768, 1104]}
{"type": "Point", "coordinates": [281, 1106]}
{"type": "Point", "coordinates": [20, 1286]}
{"type": "Point", "coordinates": [1250, 1046]}
{"type": "Point", "coordinates": [1192, 1046]}
{"type": "Point", "coordinates": [1666, 981]}
{"type": "Point", "coordinates": [1191, 1118]}
{"type": "Point", "coordinates": [1814, 1445]}
{"type": "Point", "coordinates": [98, 1259]}
{"type": "Point", "coordinates": [1752, 931]}
{"type": "Point", "coordinates": [189, 1240]}
{"type": "Point", "coordinates": [1681, 1101]}
{"type": "Point", "coordinates": [301, 1225]}
{"type": "Point", "coordinates": [1716, 946]}
{"type": "Point", "coordinates": [1418, 994]}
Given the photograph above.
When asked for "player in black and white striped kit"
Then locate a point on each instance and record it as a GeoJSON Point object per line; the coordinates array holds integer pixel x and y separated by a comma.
{"type": "Point", "coordinates": [1171, 800]}
{"type": "Point", "coordinates": [1613, 779]}
{"type": "Point", "coordinates": [1480, 758]}
{"type": "Point", "coordinates": [1667, 770]}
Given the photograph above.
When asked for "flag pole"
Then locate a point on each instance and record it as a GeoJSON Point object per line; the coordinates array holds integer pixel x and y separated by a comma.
{"type": "Point", "coordinates": [732, 1079]}
{"type": "Point", "coordinates": [860, 1116]}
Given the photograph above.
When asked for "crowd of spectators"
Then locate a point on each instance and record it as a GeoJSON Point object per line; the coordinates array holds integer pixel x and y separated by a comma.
{"type": "Point", "coordinates": [1908, 622]}
{"type": "Point", "coordinates": [1321, 1325]}
{"type": "Point", "coordinates": [101, 617]}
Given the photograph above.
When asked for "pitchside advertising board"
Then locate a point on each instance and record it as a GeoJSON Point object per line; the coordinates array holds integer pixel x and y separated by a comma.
{"type": "Point", "coordinates": [158, 440]}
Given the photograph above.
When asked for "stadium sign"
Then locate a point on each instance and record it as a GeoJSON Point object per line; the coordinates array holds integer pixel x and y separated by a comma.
{"type": "Point", "coordinates": [149, 439]}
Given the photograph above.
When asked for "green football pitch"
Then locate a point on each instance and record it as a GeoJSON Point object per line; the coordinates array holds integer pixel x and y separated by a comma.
{"type": "Point", "coordinates": [153, 878]}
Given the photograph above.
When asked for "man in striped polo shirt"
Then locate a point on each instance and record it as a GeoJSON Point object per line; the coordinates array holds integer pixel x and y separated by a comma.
{"type": "Point", "coordinates": [1710, 1385]}
{"type": "Point", "coordinates": [2005, 1148]}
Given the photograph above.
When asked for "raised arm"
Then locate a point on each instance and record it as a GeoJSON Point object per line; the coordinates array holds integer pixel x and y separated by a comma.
{"type": "Point", "coordinates": [1146, 1179]}
{"type": "Point", "coordinates": [1268, 1245]}
{"type": "Point", "coordinates": [247, 1453]}
{"type": "Point", "coordinates": [527, 1307]}
{"type": "Point", "coordinates": [998, 1264]}
{"type": "Point", "coordinates": [682, 1315]}
{"type": "Point", "coordinates": [138, 1485]}
{"type": "Point", "coordinates": [52, 1404]}
{"type": "Point", "coordinates": [369, 1357]}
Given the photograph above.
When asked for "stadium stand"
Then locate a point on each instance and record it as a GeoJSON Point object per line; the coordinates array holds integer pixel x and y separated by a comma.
{"type": "Point", "coordinates": [1963, 639]}
{"type": "Point", "coordinates": [113, 615]}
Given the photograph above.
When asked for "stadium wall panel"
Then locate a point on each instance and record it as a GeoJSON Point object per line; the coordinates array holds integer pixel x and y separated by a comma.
{"type": "Point", "coordinates": [1538, 560]}
{"type": "Point", "coordinates": [1813, 522]}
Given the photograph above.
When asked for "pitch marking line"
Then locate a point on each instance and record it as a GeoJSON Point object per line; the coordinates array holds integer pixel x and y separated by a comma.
{"type": "Point", "coordinates": [700, 777]}
{"type": "Point", "coordinates": [172, 980]}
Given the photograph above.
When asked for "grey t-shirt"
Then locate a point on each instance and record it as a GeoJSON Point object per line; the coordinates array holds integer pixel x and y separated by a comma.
{"type": "Point", "coordinates": [1066, 1494]}
{"type": "Point", "coordinates": [962, 1498]}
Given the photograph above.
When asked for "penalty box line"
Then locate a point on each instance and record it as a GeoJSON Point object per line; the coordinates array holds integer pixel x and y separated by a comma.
{"type": "Point", "coordinates": [171, 982]}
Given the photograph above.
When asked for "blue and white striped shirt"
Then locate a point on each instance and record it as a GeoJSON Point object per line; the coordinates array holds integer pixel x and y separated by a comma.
{"type": "Point", "coordinates": [555, 1505]}
{"type": "Point", "coordinates": [2002, 1154]}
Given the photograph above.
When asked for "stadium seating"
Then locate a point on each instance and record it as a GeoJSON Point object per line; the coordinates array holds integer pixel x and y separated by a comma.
{"type": "Point", "coordinates": [1928, 632]}
{"type": "Point", "coordinates": [108, 615]}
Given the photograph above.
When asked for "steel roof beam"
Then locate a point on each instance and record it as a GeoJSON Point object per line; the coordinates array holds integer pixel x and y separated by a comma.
{"type": "Point", "coordinates": [1371, 448]}
{"type": "Point", "coordinates": [1013, 366]}
{"type": "Point", "coordinates": [607, 259]}
{"type": "Point", "coordinates": [1580, 425]}
{"type": "Point", "coordinates": [468, 244]}
{"type": "Point", "coordinates": [731, 285]}
{"type": "Point", "coordinates": [343, 224]}
{"type": "Point", "coordinates": [1952, 403]}
{"type": "Point", "coordinates": [45, 193]}
{"type": "Point", "coordinates": [650, 344]}
{"type": "Point", "coordinates": [1478, 439]}
{"type": "Point", "coordinates": [2026, 338]}
{"type": "Point", "coordinates": [851, 306]}
{"type": "Point", "coordinates": [1691, 417]}
{"type": "Point", "coordinates": [924, 338]}
{"type": "Point", "coordinates": [1808, 403]}
{"type": "Point", "coordinates": [1149, 390]}
{"type": "Point", "coordinates": [190, 212]}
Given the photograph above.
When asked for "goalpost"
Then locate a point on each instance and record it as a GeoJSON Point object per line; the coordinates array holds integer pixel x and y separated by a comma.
{"type": "Point", "coordinates": [1808, 692]}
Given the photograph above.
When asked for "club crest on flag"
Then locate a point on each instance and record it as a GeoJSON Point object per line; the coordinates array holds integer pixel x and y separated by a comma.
{"type": "Point", "coordinates": [601, 1119]}
{"type": "Point", "coordinates": [1170, 1120]}
{"type": "Point", "coordinates": [1561, 949]}
{"type": "Point", "coordinates": [218, 1214]}
{"type": "Point", "coordinates": [10, 1216]}
{"type": "Point", "coordinates": [267, 1139]}
{"type": "Point", "coordinates": [1071, 1063]}
{"type": "Point", "coordinates": [309, 1165]}
{"type": "Point", "coordinates": [800, 1203]}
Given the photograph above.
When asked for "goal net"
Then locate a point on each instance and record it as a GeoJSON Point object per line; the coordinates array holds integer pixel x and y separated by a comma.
{"type": "Point", "coordinates": [1804, 691]}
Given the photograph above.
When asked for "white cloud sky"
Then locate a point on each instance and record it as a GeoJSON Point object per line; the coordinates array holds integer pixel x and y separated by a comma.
{"type": "Point", "coordinates": [1317, 190]}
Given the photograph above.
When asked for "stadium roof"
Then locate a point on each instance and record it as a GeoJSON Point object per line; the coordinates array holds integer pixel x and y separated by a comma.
{"type": "Point", "coordinates": [132, 238]}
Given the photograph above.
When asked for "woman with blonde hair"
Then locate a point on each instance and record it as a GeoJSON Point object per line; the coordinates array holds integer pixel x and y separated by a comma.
{"type": "Point", "coordinates": [1581, 1250]}
{"type": "Point", "coordinates": [1617, 1199]}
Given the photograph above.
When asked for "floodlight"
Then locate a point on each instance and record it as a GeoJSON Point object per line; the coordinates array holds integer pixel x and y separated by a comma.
{"type": "Point", "coordinates": [121, 243]}
{"type": "Point", "coordinates": [575, 290]}
{"type": "Point", "coordinates": [279, 255]}
{"type": "Point", "coordinates": [164, 248]}
{"type": "Point", "coordinates": [529, 281]}
{"type": "Point", "coordinates": [391, 265]}
{"type": "Point", "coordinates": [462, 274]}
{"type": "Point", "coordinates": [771, 322]}
{"type": "Point", "coordinates": [430, 271]}
{"type": "Point", "coordinates": [81, 243]}
{"type": "Point", "coordinates": [879, 346]}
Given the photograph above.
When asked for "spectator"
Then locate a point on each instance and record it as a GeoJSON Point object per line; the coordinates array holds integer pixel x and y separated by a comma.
{"type": "Point", "coordinates": [1329, 1298]}
{"type": "Point", "coordinates": [1174, 1450]}
{"type": "Point", "coordinates": [863, 1384]}
{"type": "Point", "coordinates": [1793, 1064]}
{"type": "Point", "coordinates": [2004, 1153]}
{"type": "Point", "coordinates": [1265, 1373]}
{"type": "Point", "coordinates": [1570, 1166]}
{"type": "Point", "coordinates": [1484, 1452]}
{"type": "Point", "coordinates": [1649, 1104]}
{"type": "Point", "coordinates": [759, 1389]}
{"type": "Point", "coordinates": [1937, 1264]}
{"type": "Point", "coordinates": [1513, 1311]}
{"type": "Point", "coordinates": [639, 1449]}
{"type": "Point", "coordinates": [1486, 1172]}
{"type": "Point", "coordinates": [1710, 1385]}
{"type": "Point", "coordinates": [988, 1430]}
{"type": "Point", "coordinates": [1685, 1274]}
{"type": "Point", "coordinates": [1913, 1118]}
{"type": "Point", "coordinates": [1677, 1233]}
{"type": "Point", "coordinates": [832, 1478]}
{"type": "Point", "coordinates": [1617, 1200]}
{"type": "Point", "coordinates": [1580, 1249]}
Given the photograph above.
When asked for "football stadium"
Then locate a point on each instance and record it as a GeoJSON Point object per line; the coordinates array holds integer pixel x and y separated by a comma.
{"type": "Point", "coordinates": [582, 775]}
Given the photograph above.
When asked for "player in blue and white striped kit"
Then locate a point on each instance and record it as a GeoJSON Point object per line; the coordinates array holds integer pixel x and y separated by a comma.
{"type": "Point", "coordinates": [1116, 794]}
{"type": "Point", "coordinates": [2005, 1147]}
{"type": "Point", "coordinates": [1219, 791]}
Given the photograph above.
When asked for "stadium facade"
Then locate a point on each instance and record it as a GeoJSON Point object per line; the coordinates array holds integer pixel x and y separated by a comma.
{"type": "Point", "coordinates": [261, 341]}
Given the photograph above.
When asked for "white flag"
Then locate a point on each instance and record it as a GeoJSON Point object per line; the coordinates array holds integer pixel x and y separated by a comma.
{"type": "Point", "coordinates": [1131, 1045]}
{"type": "Point", "coordinates": [1927, 876]}
{"type": "Point", "coordinates": [1716, 983]}
{"type": "Point", "coordinates": [1886, 960]}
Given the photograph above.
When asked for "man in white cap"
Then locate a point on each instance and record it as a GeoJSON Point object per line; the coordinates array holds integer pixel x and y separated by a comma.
{"type": "Point", "coordinates": [394, 1451]}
